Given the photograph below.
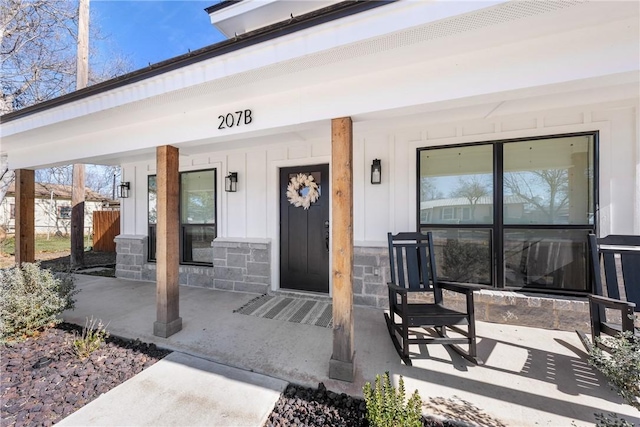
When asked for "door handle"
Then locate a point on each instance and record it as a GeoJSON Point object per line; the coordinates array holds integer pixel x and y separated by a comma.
{"type": "Point", "coordinates": [326, 240]}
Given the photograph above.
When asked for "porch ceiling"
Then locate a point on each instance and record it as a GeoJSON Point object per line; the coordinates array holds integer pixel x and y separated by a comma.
{"type": "Point", "coordinates": [484, 70]}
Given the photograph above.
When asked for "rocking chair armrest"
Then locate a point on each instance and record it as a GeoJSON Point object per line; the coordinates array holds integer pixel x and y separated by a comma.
{"type": "Point", "coordinates": [397, 288]}
{"type": "Point", "coordinates": [463, 288]}
{"type": "Point", "coordinates": [611, 302]}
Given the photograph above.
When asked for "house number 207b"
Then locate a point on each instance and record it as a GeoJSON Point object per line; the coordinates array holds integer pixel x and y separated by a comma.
{"type": "Point", "coordinates": [235, 119]}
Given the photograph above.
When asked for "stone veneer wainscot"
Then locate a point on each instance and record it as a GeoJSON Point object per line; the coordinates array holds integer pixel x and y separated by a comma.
{"type": "Point", "coordinates": [371, 273]}
{"type": "Point", "coordinates": [238, 264]}
{"type": "Point", "coordinates": [245, 265]}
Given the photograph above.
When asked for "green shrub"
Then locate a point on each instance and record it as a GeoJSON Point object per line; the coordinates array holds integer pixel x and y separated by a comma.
{"type": "Point", "coordinates": [621, 366]}
{"type": "Point", "coordinates": [30, 299]}
{"type": "Point", "coordinates": [386, 406]}
{"type": "Point", "coordinates": [92, 337]}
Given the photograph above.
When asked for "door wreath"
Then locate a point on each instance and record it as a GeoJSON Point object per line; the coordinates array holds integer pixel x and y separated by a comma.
{"type": "Point", "coordinates": [295, 187]}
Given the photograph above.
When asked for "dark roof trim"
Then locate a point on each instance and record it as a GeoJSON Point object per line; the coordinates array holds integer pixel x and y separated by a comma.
{"type": "Point", "coordinates": [221, 5]}
{"type": "Point", "coordinates": [302, 22]}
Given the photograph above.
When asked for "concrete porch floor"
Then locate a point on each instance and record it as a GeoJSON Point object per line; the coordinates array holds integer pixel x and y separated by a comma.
{"type": "Point", "coordinates": [532, 377]}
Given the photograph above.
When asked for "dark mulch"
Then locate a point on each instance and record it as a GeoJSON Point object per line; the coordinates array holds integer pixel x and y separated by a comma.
{"type": "Point", "coordinates": [91, 259]}
{"type": "Point", "coordinates": [43, 381]}
{"type": "Point", "coordinates": [302, 406]}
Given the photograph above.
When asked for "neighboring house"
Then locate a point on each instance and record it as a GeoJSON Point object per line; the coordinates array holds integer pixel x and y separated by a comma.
{"type": "Point", "coordinates": [53, 209]}
{"type": "Point", "coordinates": [462, 210]}
{"type": "Point", "coordinates": [535, 99]}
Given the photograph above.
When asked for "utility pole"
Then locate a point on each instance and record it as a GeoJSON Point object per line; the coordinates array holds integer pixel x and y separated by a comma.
{"type": "Point", "coordinates": [77, 192]}
{"type": "Point", "coordinates": [113, 188]}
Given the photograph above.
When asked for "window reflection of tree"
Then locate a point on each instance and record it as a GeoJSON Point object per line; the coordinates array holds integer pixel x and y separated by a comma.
{"type": "Point", "coordinates": [153, 200]}
{"type": "Point", "coordinates": [545, 191]}
{"type": "Point", "coordinates": [473, 188]}
{"type": "Point", "coordinates": [429, 190]}
{"type": "Point", "coordinates": [200, 207]}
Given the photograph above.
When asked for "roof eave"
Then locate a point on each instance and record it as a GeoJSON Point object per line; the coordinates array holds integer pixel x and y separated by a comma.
{"type": "Point", "coordinates": [221, 5]}
{"type": "Point", "coordinates": [327, 14]}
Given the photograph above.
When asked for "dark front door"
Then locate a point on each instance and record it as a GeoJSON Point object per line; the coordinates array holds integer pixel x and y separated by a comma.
{"type": "Point", "coordinates": [304, 233]}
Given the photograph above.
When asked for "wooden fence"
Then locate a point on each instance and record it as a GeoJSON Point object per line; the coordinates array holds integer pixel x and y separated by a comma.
{"type": "Point", "coordinates": [106, 226]}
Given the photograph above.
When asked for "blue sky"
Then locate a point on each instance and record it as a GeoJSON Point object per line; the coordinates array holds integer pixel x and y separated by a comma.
{"type": "Point", "coordinates": [148, 31]}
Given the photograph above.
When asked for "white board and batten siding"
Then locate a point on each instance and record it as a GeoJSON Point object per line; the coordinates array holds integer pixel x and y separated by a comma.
{"type": "Point", "coordinates": [252, 212]}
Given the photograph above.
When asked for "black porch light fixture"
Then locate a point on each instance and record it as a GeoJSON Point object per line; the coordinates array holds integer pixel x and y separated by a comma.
{"type": "Point", "coordinates": [231, 182]}
{"type": "Point", "coordinates": [376, 172]}
{"type": "Point", "coordinates": [123, 190]}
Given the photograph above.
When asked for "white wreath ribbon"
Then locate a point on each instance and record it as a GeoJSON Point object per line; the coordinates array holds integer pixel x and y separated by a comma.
{"type": "Point", "coordinates": [293, 191]}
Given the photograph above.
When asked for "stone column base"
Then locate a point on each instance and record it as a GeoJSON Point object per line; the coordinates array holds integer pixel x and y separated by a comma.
{"type": "Point", "coordinates": [165, 330]}
{"type": "Point", "coordinates": [341, 370]}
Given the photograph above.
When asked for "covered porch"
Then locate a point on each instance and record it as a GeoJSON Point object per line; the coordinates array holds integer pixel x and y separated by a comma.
{"type": "Point", "coordinates": [531, 377]}
{"type": "Point", "coordinates": [303, 99]}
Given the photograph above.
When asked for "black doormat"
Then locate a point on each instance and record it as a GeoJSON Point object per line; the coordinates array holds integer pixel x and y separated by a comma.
{"type": "Point", "coordinates": [288, 309]}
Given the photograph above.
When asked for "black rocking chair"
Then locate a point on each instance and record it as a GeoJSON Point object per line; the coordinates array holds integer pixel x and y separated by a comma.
{"type": "Point", "coordinates": [623, 298]}
{"type": "Point", "coordinates": [413, 271]}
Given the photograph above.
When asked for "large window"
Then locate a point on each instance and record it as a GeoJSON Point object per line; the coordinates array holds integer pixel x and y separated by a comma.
{"type": "Point", "coordinates": [197, 216]}
{"type": "Point", "coordinates": [152, 192]}
{"type": "Point", "coordinates": [456, 205]}
{"type": "Point", "coordinates": [513, 214]}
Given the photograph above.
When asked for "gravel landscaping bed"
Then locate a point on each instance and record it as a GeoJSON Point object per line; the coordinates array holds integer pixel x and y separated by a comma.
{"type": "Point", "coordinates": [301, 406]}
{"type": "Point", "coordinates": [91, 259]}
{"type": "Point", "coordinates": [43, 381]}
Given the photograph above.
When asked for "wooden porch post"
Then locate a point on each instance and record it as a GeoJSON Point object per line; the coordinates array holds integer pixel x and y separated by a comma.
{"type": "Point", "coordinates": [25, 216]}
{"type": "Point", "coordinates": [77, 216]}
{"type": "Point", "coordinates": [167, 244]}
{"type": "Point", "coordinates": [341, 365]}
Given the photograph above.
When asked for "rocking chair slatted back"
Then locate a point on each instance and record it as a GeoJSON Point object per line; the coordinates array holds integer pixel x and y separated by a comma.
{"type": "Point", "coordinates": [413, 262]}
{"type": "Point", "coordinates": [613, 251]}
{"type": "Point", "coordinates": [628, 248]}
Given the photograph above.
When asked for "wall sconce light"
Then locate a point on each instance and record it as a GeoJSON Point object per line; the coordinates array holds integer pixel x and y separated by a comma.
{"type": "Point", "coordinates": [376, 172]}
{"type": "Point", "coordinates": [123, 190]}
{"type": "Point", "coordinates": [231, 182]}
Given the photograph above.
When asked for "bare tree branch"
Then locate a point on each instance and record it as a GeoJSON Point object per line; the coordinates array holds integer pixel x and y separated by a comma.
{"type": "Point", "coordinates": [546, 190]}
{"type": "Point", "coordinates": [472, 189]}
{"type": "Point", "coordinates": [6, 177]}
{"type": "Point", "coordinates": [38, 62]}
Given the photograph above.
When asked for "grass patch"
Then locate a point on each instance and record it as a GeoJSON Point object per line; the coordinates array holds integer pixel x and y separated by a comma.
{"type": "Point", "coordinates": [54, 244]}
{"type": "Point", "coordinates": [92, 337]}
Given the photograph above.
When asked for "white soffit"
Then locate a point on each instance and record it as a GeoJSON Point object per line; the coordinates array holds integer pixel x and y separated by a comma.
{"type": "Point", "coordinates": [152, 99]}
{"type": "Point", "coordinates": [333, 42]}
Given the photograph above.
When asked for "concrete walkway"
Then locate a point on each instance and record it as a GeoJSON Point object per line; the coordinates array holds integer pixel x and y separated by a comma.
{"type": "Point", "coordinates": [183, 390]}
{"type": "Point", "coordinates": [532, 377]}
